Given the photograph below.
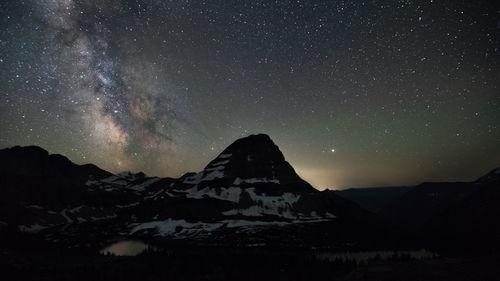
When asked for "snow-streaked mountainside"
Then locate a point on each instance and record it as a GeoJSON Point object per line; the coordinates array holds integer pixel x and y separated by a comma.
{"type": "Point", "coordinates": [245, 195]}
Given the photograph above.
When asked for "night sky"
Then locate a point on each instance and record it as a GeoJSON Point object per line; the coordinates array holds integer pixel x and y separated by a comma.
{"type": "Point", "coordinates": [355, 93]}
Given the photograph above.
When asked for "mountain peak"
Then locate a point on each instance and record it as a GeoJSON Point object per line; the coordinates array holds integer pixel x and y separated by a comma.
{"type": "Point", "coordinates": [34, 160]}
{"type": "Point", "coordinates": [258, 139]}
{"type": "Point", "coordinates": [251, 161]}
{"type": "Point", "coordinates": [251, 148]}
{"type": "Point", "coordinates": [32, 150]}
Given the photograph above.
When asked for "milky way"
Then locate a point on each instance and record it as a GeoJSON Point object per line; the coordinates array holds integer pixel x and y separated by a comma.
{"type": "Point", "coordinates": [355, 93]}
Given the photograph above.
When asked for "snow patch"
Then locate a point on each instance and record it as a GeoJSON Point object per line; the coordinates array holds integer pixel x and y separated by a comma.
{"type": "Point", "coordinates": [128, 205]}
{"type": "Point", "coordinates": [68, 219]}
{"type": "Point", "coordinates": [252, 211]}
{"type": "Point", "coordinates": [91, 182]}
{"type": "Point", "coordinates": [142, 186]}
{"type": "Point", "coordinates": [35, 207]}
{"type": "Point", "coordinates": [216, 174]}
{"type": "Point", "coordinates": [182, 228]}
{"type": "Point", "coordinates": [280, 206]}
{"type": "Point", "coordinates": [157, 193]}
{"type": "Point", "coordinates": [115, 180]}
{"type": "Point", "coordinates": [329, 215]}
{"type": "Point", "coordinates": [194, 179]}
{"type": "Point", "coordinates": [232, 212]}
{"type": "Point", "coordinates": [224, 162]}
{"type": "Point", "coordinates": [113, 216]}
{"type": "Point", "coordinates": [217, 168]}
{"type": "Point", "coordinates": [275, 205]}
{"type": "Point", "coordinates": [77, 209]}
{"type": "Point", "coordinates": [194, 193]}
{"type": "Point", "coordinates": [229, 194]}
{"type": "Point", "coordinates": [171, 226]}
{"type": "Point", "coordinates": [34, 228]}
{"type": "Point", "coordinates": [239, 181]}
{"type": "Point", "coordinates": [247, 223]}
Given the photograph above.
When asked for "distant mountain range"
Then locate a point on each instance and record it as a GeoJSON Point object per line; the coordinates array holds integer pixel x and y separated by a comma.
{"type": "Point", "coordinates": [247, 196]}
{"type": "Point", "coordinates": [443, 214]}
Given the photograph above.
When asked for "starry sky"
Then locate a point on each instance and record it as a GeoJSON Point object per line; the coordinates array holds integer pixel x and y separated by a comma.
{"type": "Point", "coordinates": [355, 93]}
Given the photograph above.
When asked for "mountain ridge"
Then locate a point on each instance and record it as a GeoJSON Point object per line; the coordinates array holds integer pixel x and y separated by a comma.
{"type": "Point", "coordinates": [444, 215]}
{"type": "Point", "coordinates": [247, 192]}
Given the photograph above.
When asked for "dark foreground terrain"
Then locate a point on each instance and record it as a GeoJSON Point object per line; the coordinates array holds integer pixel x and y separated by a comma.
{"type": "Point", "coordinates": [242, 266]}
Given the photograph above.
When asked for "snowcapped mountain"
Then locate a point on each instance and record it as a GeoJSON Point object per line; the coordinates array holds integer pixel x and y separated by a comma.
{"type": "Point", "coordinates": [254, 160]}
{"type": "Point", "coordinates": [248, 194]}
{"type": "Point", "coordinates": [249, 185]}
{"type": "Point", "coordinates": [251, 179]}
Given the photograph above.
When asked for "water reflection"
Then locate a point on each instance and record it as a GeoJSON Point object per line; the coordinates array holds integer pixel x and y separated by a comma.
{"type": "Point", "coordinates": [125, 248]}
{"type": "Point", "coordinates": [359, 257]}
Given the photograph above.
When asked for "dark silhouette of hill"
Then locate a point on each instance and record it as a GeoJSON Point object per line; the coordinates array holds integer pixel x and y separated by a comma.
{"type": "Point", "coordinates": [455, 216]}
{"type": "Point", "coordinates": [373, 199]}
